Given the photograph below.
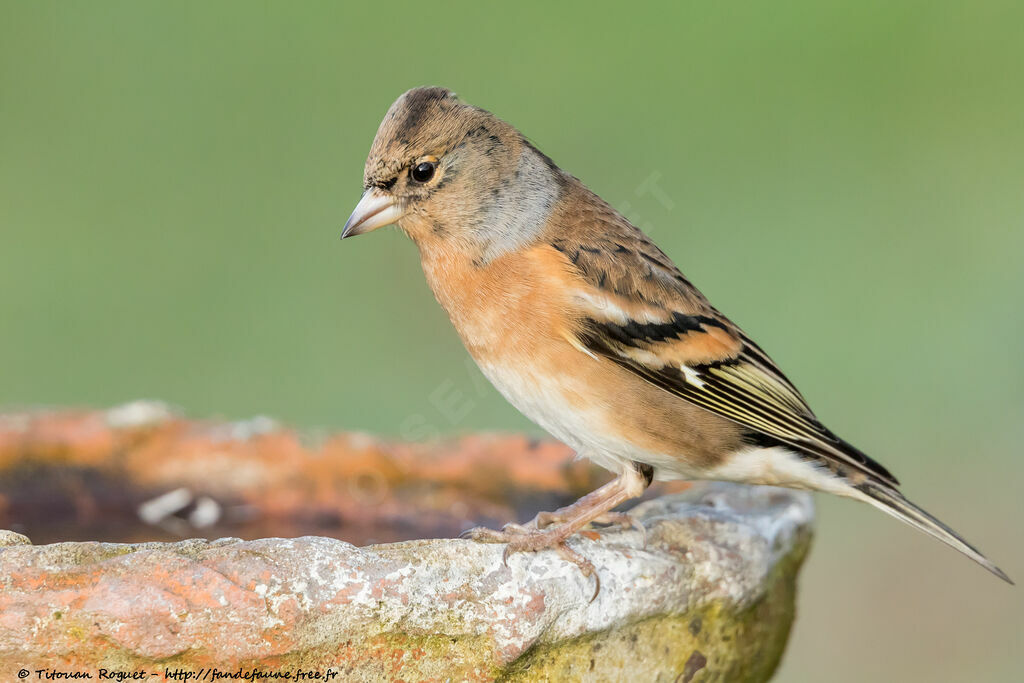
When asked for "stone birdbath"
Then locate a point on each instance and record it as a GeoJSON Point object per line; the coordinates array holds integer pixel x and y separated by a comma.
{"type": "Point", "coordinates": [351, 571]}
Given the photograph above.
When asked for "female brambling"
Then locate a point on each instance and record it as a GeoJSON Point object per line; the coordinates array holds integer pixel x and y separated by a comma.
{"type": "Point", "coordinates": [590, 330]}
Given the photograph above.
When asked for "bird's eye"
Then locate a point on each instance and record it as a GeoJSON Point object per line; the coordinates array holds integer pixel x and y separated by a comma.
{"type": "Point", "coordinates": [423, 171]}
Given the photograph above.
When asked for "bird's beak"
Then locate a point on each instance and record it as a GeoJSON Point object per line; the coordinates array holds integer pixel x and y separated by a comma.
{"type": "Point", "coordinates": [375, 210]}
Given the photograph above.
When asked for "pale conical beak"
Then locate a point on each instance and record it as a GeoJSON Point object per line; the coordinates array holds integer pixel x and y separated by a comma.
{"type": "Point", "coordinates": [375, 210]}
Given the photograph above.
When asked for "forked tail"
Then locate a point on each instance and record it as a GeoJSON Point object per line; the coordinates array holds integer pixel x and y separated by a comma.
{"type": "Point", "coordinates": [891, 501]}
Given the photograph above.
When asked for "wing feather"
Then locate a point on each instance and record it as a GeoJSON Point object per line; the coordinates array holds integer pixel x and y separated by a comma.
{"type": "Point", "coordinates": [637, 310]}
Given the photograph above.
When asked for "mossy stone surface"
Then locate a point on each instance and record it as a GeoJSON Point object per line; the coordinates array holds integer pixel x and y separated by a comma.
{"type": "Point", "coordinates": [705, 593]}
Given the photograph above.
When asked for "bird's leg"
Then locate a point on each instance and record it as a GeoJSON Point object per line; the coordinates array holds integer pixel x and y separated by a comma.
{"type": "Point", "coordinates": [623, 519]}
{"type": "Point", "coordinates": [551, 530]}
{"type": "Point", "coordinates": [545, 519]}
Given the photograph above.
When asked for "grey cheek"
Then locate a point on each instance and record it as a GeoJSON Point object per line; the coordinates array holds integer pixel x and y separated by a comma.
{"type": "Point", "coordinates": [520, 208]}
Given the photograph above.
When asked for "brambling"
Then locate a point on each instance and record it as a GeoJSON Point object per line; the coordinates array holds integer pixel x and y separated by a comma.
{"type": "Point", "coordinates": [591, 331]}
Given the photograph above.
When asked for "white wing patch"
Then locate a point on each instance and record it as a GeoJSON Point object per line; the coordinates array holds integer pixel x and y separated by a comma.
{"type": "Point", "coordinates": [692, 376]}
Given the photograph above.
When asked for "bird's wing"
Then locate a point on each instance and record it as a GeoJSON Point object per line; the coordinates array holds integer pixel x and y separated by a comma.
{"type": "Point", "coordinates": [636, 309]}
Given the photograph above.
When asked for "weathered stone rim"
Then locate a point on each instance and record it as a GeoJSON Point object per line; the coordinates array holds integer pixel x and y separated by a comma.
{"type": "Point", "coordinates": [710, 594]}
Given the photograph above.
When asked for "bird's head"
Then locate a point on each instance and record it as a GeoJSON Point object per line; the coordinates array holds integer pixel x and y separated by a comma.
{"type": "Point", "coordinates": [443, 169]}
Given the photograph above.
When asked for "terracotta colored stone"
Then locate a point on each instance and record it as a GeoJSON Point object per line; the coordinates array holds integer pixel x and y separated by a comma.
{"type": "Point", "coordinates": [705, 594]}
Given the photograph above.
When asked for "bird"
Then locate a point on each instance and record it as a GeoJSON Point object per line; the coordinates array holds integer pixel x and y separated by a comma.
{"type": "Point", "coordinates": [585, 326]}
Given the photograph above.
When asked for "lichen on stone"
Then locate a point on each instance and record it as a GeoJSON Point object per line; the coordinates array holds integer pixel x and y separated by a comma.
{"type": "Point", "coordinates": [705, 594]}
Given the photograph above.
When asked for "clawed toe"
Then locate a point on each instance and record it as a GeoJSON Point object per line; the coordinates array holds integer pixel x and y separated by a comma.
{"type": "Point", "coordinates": [546, 519]}
{"type": "Point", "coordinates": [483, 535]}
{"type": "Point", "coordinates": [549, 530]}
{"type": "Point", "coordinates": [585, 565]}
{"type": "Point", "coordinates": [520, 539]}
{"type": "Point", "coordinates": [622, 519]}
{"type": "Point", "coordinates": [626, 521]}
{"type": "Point", "coordinates": [538, 534]}
{"type": "Point", "coordinates": [508, 532]}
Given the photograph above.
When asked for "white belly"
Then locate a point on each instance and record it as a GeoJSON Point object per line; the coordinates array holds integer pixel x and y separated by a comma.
{"type": "Point", "coordinates": [542, 398]}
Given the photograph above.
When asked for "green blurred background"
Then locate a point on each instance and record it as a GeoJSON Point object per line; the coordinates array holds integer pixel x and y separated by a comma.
{"type": "Point", "coordinates": [845, 180]}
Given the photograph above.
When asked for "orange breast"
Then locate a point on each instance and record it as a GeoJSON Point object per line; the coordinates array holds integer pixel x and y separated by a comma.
{"type": "Point", "coordinates": [515, 317]}
{"type": "Point", "coordinates": [508, 308]}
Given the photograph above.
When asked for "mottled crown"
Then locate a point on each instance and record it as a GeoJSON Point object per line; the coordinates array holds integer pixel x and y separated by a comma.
{"type": "Point", "coordinates": [422, 121]}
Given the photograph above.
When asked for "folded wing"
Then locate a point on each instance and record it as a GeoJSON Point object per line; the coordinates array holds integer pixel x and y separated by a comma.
{"type": "Point", "coordinates": [637, 310]}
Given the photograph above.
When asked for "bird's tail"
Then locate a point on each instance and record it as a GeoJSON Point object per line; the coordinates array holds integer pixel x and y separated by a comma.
{"type": "Point", "coordinates": [889, 500]}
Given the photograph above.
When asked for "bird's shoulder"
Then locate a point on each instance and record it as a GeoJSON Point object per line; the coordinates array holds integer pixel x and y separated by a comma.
{"type": "Point", "coordinates": [620, 278]}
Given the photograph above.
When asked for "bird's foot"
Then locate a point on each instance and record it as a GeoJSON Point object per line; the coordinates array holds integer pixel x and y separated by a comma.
{"type": "Point", "coordinates": [528, 538]}
{"type": "Point", "coordinates": [550, 530]}
{"type": "Point", "coordinates": [544, 521]}
{"type": "Point", "coordinates": [623, 520]}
